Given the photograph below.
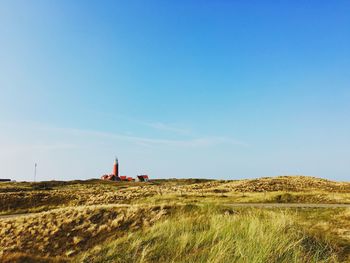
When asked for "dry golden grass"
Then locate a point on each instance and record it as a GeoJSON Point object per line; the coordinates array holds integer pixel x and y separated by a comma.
{"type": "Point", "coordinates": [64, 232]}
{"type": "Point", "coordinates": [38, 200]}
{"type": "Point", "coordinates": [291, 184]}
{"type": "Point", "coordinates": [332, 225]}
{"type": "Point", "coordinates": [30, 197]}
{"type": "Point", "coordinates": [213, 234]}
{"type": "Point", "coordinates": [83, 214]}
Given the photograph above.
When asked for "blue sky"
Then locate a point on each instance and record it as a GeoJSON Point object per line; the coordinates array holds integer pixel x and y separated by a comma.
{"type": "Point", "coordinates": [214, 89]}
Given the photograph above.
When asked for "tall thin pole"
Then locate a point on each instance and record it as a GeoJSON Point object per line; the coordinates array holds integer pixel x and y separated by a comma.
{"type": "Point", "coordinates": [35, 171]}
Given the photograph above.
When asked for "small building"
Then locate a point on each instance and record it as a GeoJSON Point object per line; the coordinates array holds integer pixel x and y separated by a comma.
{"type": "Point", "coordinates": [126, 178]}
{"type": "Point", "coordinates": [110, 177]}
{"type": "Point", "coordinates": [142, 178]}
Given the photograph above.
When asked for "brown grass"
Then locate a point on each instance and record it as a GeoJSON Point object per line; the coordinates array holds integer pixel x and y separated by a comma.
{"type": "Point", "coordinates": [64, 232]}
{"type": "Point", "coordinates": [332, 225]}
{"type": "Point", "coordinates": [31, 197]}
{"type": "Point", "coordinates": [83, 214]}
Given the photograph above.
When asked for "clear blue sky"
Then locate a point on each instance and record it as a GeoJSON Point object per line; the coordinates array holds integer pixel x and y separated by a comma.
{"type": "Point", "coordinates": [215, 89]}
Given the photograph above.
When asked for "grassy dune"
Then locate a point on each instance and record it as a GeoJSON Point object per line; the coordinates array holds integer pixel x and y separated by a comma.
{"type": "Point", "coordinates": [214, 235]}
{"type": "Point", "coordinates": [187, 233]}
{"type": "Point", "coordinates": [62, 233]}
{"type": "Point", "coordinates": [174, 221]}
{"type": "Point", "coordinates": [35, 197]}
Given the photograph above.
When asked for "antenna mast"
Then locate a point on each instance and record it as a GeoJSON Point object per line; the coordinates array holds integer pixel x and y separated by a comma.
{"type": "Point", "coordinates": [35, 165]}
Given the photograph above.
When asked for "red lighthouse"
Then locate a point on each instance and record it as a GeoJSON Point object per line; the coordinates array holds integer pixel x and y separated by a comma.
{"type": "Point", "coordinates": [116, 168]}
{"type": "Point", "coordinates": [115, 175]}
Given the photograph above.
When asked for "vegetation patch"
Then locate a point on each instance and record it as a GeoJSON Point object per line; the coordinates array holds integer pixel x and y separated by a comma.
{"type": "Point", "coordinates": [42, 196]}
{"type": "Point", "coordinates": [216, 235]}
{"type": "Point", "coordinates": [65, 232]}
{"type": "Point", "coordinates": [174, 221]}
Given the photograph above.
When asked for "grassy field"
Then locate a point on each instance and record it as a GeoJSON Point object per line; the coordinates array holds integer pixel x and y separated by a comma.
{"type": "Point", "coordinates": [174, 221]}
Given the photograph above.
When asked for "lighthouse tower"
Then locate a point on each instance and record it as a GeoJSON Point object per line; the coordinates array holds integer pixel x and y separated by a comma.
{"type": "Point", "coordinates": [116, 168]}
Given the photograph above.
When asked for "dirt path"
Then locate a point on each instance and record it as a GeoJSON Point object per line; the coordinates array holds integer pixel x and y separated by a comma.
{"type": "Point", "coordinates": [257, 205]}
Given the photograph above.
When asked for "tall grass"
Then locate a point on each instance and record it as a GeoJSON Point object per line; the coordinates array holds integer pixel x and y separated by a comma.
{"type": "Point", "coordinates": [211, 235]}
